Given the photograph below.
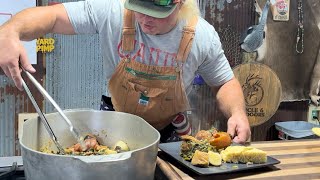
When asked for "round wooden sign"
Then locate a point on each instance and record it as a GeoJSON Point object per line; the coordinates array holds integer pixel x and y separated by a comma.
{"type": "Point", "coordinates": [262, 91]}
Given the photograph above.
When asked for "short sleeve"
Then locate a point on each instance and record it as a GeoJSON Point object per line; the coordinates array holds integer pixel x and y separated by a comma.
{"type": "Point", "coordinates": [88, 16]}
{"type": "Point", "coordinates": [215, 69]}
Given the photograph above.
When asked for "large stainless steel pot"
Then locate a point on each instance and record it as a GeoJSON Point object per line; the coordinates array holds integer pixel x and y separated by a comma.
{"type": "Point", "coordinates": [109, 127]}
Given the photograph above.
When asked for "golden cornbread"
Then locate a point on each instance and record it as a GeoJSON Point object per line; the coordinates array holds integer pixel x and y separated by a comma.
{"type": "Point", "coordinates": [243, 154]}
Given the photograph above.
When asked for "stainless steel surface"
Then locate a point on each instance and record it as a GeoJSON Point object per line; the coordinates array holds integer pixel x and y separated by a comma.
{"type": "Point", "coordinates": [43, 118]}
{"type": "Point", "coordinates": [7, 161]}
{"type": "Point", "coordinates": [72, 129]}
{"type": "Point", "coordinates": [109, 127]}
{"type": "Point", "coordinates": [10, 166]}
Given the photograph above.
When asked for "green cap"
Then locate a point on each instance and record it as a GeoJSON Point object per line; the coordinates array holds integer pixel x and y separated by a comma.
{"type": "Point", "coordinates": [153, 8]}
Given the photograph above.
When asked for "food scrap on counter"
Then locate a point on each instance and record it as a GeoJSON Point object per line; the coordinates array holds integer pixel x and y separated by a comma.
{"type": "Point", "coordinates": [92, 148]}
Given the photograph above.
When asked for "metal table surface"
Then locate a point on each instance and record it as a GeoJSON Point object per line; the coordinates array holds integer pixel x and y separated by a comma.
{"type": "Point", "coordinates": [11, 168]}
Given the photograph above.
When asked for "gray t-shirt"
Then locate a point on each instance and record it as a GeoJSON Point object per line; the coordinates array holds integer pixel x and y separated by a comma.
{"type": "Point", "coordinates": [105, 17]}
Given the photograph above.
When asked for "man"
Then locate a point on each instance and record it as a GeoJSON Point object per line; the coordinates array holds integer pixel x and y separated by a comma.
{"type": "Point", "coordinates": [314, 91]}
{"type": "Point", "coordinates": [151, 49]}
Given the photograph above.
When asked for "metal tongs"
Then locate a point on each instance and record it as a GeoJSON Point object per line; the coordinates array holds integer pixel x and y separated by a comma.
{"type": "Point", "coordinates": [73, 130]}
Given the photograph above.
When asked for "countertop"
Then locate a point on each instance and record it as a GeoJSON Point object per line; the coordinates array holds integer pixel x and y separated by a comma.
{"type": "Point", "coordinates": [299, 159]}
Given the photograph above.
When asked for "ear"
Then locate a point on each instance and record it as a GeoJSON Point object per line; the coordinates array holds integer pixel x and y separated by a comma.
{"type": "Point", "coordinates": [180, 4]}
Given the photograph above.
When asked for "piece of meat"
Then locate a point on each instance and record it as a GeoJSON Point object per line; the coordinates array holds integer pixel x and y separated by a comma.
{"type": "Point", "coordinates": [203, 135]}
{"type": "Point", "coordinates": [186, 147]}
{"type": "Point", "coordinates": [190, 138]}
{"type": "Point", "coordinates": [90, 142]}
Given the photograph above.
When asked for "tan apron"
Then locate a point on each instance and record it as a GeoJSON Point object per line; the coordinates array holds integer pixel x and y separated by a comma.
{"type": "Point", "coordinates": [154, 93]}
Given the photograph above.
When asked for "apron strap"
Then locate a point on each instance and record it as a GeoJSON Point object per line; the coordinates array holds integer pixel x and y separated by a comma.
{"type": "Point", "coordinates": [187, 39]}
{"type": "Point", "coordinates": [128, 31]}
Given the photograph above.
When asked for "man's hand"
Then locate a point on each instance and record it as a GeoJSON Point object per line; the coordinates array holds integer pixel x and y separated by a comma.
{"type": "Point", "coordinates": [231, 102]}
{"type": "Point", "coordinates": [315, 88]}
{"type": "Point", "coordinates": [239, 128]}
{"type": "Point", "coordinates": [26, 25]}
{"type": "Point", "coordinates": [11, 52]}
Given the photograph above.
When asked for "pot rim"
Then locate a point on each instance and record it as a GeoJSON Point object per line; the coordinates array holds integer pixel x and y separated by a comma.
{"type": "Point", "coordinates": [157, 140]}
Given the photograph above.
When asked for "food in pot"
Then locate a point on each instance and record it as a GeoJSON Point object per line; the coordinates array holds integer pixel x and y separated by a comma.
{"type": "Point", "coordinates": [121, 146]}
{"type": "Point", "coordinates": [243, 154]}
{"type": "Point", "coordinates": [90, 143]}
{"type": "Point", "coordinates": [92, 148]}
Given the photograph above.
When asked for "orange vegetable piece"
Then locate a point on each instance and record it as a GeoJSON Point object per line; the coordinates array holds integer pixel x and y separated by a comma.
{"type": "Point", "coordinates": [220, 140]}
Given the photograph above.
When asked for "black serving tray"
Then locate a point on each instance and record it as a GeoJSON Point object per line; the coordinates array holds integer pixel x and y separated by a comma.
{"type": "Point", "coordinates": [173, 149]}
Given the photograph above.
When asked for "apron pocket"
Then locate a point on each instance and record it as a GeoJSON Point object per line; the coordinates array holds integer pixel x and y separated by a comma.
{"type": "Point", "coordinates": [152, 100]}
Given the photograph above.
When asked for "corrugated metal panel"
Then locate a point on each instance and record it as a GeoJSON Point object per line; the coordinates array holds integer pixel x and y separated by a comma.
{"type": "Point", "coordinates": [221, 13]}
{"type": "Point", "coordinates": [74, 72]}
{"type": "Point", "coordinates": [7, 123]}
{"type": "Point", "coordinates": [230, 18]}
{"type": "Point", "coordinates": [13, 102]}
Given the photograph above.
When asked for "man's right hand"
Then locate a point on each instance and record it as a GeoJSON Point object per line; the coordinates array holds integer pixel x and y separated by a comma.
{"type": "Point", "coordinates": [27, 25]}
{"type": "Point", "coordinates": [11, 52]}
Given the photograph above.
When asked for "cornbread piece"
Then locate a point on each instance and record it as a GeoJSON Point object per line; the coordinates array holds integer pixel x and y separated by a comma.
{"type": "Point", "coordinates": [231, 154]}
{"type": "Point", "coordinates": [243, 154]}
{"type": "Point", "coordinates": [200, 159]}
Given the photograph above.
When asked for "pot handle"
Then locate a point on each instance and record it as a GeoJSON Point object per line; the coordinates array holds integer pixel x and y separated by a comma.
{"type": "Point", "coordinates": [104, 158]}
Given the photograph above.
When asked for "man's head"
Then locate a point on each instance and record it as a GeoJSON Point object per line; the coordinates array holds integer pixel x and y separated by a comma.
{"type": "Point", "coordinates": [160, 16]}
{"type": "Point", "coordinates": [153, 8]}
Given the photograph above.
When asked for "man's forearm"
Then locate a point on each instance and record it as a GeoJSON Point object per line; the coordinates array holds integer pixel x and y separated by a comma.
{"type": "Point", "coordinates": [230, 98]}
{"type": "Point", "coordinates": [34, 22]}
